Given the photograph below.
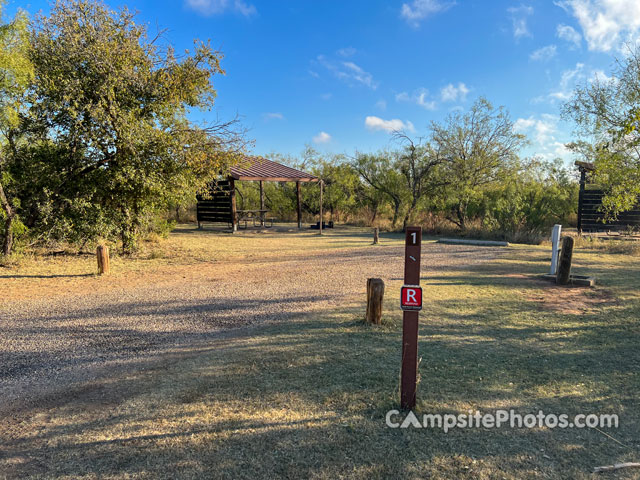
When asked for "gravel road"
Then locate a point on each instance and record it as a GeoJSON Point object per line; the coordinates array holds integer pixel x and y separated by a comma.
{"type": "Point", "coordinates": [48, 345]}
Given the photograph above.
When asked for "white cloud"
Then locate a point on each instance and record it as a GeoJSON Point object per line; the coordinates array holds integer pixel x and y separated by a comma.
{"type": "Point", "coordinates": [390, 126]}
{"type": "Point", "coordinates": [418, 10]}
{"type": "Point", "coordinates": [273, 116]}
{"type": "Point", "coordinates": [346, 52]}
{"type": "Point", "coordinates": [348, 72]}
{"type": "Point", "coordinates": [545, 53]}
{"type": "Point", "coordinates": [381, 104]}
{"type": "Point", "coordinates": [543, 130]}
{"type": "Point", "coordinates": [451, 93]}
{"type": "Point", "coordinates": [568, 81]}
{"type": "Point", "coordinates": [600, 76]}
{"type": "Point", "coordinates": [216, 7]}
{"type": "Point", "coordinates": [419, 97]}
{"type": "Point", "coordinates": [326, 96]}
{"type": "Point", "coordinates": [568, 33]}
{"type": "Point", "coordinates": [519, 20]}
{"type": "Point", "coordinates": [322, 137]}
{"type": "Point", "coordinates": [606, 24]}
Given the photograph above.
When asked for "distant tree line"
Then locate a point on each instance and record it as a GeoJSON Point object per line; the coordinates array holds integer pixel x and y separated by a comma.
{"type": "Point", "coordinates": [96, 144]}
{"type": "Point", "coordinates": [466, 175]}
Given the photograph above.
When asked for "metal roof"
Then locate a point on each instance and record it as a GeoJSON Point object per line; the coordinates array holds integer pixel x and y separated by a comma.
{"type": "Point", "coordinates": [258, 168]}
{"type": "Point", "coordinates": [586, 166]}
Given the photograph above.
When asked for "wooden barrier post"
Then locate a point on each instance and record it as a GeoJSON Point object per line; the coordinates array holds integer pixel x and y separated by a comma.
{"type": "Point", "coordinates": [555, 248]}
{"type": "Point", "coordinates": [564, 268]}
{"type": "Point", "coordinates": [375, 296]}
{"type": "Point", "coordinates": [102, 252]}
{"type": "Point", "coordinates": [411, 303]}
{"type": "Point", "coordinates": [376, 235]}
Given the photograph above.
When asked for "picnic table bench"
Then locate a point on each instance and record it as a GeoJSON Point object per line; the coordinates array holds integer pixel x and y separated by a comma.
{"type": "Point", "coordinates": [246, 215]}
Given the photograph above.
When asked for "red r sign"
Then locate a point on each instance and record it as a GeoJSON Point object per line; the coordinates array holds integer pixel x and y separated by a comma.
{"type": "Point", "coordinates": [411, 298]}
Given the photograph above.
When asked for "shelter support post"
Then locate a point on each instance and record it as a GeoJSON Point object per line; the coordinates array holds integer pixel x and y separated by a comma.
{"type": "Point", "coordinates": [262, 203]}
{"type": "Point", "coordinates": [234, 210]}
{"type": "Point", "coordinates": [298, 195]}
{"type": "Point", "coordinates": [583, 181]}
{"type": "Point", "coordinates": [321, 188]}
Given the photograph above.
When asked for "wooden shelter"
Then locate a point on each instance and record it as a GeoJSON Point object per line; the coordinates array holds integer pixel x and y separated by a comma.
{"type": "Point", "coordinates": [219, 203]}
{"type": "Point", "coordinates": [590, 216]}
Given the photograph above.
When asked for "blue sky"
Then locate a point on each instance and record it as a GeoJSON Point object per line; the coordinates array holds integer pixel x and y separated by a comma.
{"type": "Point", "coordinates": [340, 75]}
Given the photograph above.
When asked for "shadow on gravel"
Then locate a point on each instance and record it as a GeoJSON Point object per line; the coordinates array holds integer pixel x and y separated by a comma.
{"type": "Point", "coordinates": [71, 275]}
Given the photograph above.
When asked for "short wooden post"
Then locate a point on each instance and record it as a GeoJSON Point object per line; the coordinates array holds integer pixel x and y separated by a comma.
{"type": "Point", "coordinates": [376, 234]}
{"type": "Point", "coordinates": [375, 295]}
{"type": "Point", "coordinates": [102, 252]}
{"type": "Point", "coordinates": [564, 268]}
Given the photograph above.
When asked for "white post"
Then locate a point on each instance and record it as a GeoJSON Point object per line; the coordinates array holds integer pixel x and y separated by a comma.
{"type": "Point", "coordinates": [555, 248]}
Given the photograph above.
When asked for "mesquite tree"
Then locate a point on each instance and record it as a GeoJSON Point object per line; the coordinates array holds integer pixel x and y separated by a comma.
{"type": "Point", "coordinates": [15, 76]}
{"type": "Point", "coordinates": [118, 99]}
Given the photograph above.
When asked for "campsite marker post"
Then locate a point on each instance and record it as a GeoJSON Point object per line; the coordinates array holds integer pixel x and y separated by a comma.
{"type": "Point", "coordinates": [411, 304]}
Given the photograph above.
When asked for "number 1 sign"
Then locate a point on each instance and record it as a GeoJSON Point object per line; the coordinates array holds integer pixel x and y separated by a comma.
{"type": "Point", "coordinates": [411, 303]}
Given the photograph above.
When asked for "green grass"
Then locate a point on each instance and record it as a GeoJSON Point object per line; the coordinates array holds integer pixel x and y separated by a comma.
{"type": "Point", "coordinates": [308, 398]}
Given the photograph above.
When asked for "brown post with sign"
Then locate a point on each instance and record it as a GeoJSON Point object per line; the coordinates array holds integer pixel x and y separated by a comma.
{"type": "Point", "coordinates": [411, 307]}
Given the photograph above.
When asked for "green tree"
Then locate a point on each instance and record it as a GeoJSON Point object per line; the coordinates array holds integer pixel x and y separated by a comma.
{"type": "Point", "coordinates": [478, 145]}
{"type": "Point", "coordinates": [118, 101]}
{"type": "Point", "coordinates": [418, 164]}
{"type": "Point", "coordinates": [379, 172]}
{"type": "Point", "coordinates": [16, 73]}
{"type": "Point", "coordinates": [607, 113]}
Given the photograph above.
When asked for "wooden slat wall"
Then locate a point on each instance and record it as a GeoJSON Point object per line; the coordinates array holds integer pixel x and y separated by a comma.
{"type": "Point", "coordinates": [215, 205]}
{"type": "Point", "coordinates": [591, 217]}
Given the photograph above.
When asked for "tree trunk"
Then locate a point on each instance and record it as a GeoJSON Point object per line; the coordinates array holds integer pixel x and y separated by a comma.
{"type": "Point", "coordinates": [396, 209]}
{"type": "Point", "coordinates": [375, 213]}
{"type": "Point", "coordinates": [10, 214]}
{"type": "Point", "coordinates": [462, 218]}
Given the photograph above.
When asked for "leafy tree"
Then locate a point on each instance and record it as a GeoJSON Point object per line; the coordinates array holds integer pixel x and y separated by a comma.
{"type": "Point", "coordinates": [532, 196]}
{"type": "Point", "coordinates": [607, 113]}
{"type": "Point", "coordinates": [379, 172]}
{"type": "Point", "coordinates": [418, 165]}
{"type": "Point", "coordinates": [478, 145]}
{"type": "Point", "coordinates": [118, 101]}
{"type": "Point", "coordinates": [15, 76]}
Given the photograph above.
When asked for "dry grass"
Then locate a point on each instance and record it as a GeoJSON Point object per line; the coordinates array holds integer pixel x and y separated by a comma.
{"type": "Point", "coordinates": [307, 398]}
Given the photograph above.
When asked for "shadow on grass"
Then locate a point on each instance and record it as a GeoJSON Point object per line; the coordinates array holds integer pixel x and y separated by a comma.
{"type": "Point", "coordinates": [307, 397]}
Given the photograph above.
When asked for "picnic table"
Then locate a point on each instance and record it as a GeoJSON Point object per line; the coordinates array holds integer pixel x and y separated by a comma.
{"type": "Point", "coordinates": [246, 215]}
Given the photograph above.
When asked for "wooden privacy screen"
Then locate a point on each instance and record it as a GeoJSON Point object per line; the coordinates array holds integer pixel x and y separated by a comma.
{"type": "Point", "coordinates": [215, 205]}
{"type": "Point", "coordinates": [590, 216]}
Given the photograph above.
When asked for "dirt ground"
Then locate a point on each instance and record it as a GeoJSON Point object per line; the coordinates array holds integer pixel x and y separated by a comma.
{"type": "Point", "coordinates": [245, 357]}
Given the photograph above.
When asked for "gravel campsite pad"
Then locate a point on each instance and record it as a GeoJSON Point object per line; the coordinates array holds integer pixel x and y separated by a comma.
{"type": "Point", "coordinates": [53, 341]}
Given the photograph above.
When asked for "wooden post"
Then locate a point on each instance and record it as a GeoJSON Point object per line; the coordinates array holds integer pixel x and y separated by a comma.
{"type": "Point", "coordinates": [583, 181]}
{"type": "Point", "coordinates": [261, 203]}
{"type": "Point", "coordinates": [564, 268]}
{"type": "Point", "coordinates": [555, 248]}
{"type": "Point", "coordinates": [409, 372]}
{"type": "Point", "coordinates": [102, 252]}
{"type": "Point", "coordinates": [376, 233]}
{"type": "Point", "coordinates": [299, 196]}
{"type": "Point", "coordinates": [321, 187]}
{"type": "Point", "coordinates": [375, 295]}
{"type": "Point", "coordinates": [234, 211]}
